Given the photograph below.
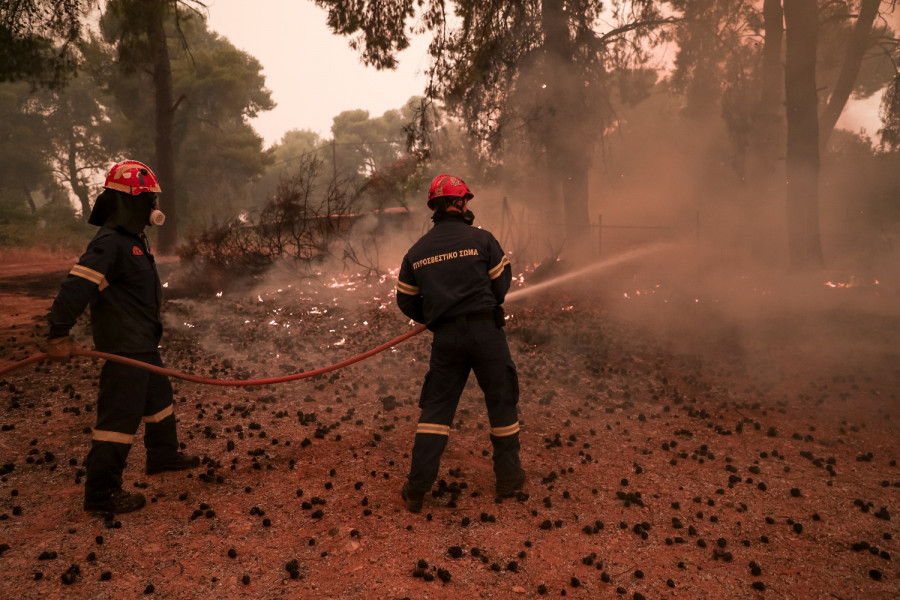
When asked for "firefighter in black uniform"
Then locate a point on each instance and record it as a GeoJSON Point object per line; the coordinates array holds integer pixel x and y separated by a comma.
{"type": "Point", "coordinates": [454, 280]}
{"type": "Point", "coordinates": [117, 277]}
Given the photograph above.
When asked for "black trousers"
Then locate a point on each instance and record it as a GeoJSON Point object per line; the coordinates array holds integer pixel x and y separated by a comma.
{"type": "Point", "coordinates": [129, 395]}
{"type": "Point", "coordinates": [456, 349]}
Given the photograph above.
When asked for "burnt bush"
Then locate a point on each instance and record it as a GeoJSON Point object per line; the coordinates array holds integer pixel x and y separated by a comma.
{"type": "Point", "coordinates": [301, 221]}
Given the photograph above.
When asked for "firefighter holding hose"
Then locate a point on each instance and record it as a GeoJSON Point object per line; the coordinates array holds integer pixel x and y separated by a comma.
{"type": "Point", "coordinates": [117, 277]}
{"type": "Point", "coordinates": [454, 280]}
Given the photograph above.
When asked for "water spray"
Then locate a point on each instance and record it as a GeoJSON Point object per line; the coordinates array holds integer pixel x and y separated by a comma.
{"type": "Point", "coordinates": [597, 266]}
{"type": "Point", "coordinates": [511, 297]}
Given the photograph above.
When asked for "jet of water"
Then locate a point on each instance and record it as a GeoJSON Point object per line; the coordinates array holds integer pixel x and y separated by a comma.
{"type": "Point", "coordinates": [597, 266]}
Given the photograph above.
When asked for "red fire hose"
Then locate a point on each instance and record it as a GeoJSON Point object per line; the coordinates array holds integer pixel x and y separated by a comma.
{"type": "Point", "coordinates": [226, 382]}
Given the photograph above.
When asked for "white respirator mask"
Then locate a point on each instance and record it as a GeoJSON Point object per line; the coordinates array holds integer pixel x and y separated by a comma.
{"type": "Point", "coordinates": [157, 217]}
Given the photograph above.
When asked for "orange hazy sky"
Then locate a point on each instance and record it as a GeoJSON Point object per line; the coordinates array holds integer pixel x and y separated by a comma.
{"type": "Point", "coordinates": [314, 75]}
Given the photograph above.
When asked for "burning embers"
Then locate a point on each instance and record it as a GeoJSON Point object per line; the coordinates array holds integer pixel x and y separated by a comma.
{"type": "Point", "coordinates": [852, 282]}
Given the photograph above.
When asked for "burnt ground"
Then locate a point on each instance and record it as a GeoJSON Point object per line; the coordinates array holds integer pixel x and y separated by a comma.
{"type": "Point", "coordinates": [672, 451]}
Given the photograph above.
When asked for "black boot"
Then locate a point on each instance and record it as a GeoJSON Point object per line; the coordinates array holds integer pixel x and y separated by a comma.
{"type": "Point", "coordinates": [507, 488]}
{"type": "Point", "coordinates": [177, 462]}
{"type": "Point", "coordinates": [508, 470]}
{"type": "Point", "coordinates": [413, 500]}
{"type": "Point", "coordinates": [116, 501]}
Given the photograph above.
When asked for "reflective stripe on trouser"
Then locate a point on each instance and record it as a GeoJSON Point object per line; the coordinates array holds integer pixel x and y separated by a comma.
{"type": "Point", "coordinates": [129, 395]}
{"type": "Point", "coordinates": [457, 349]}
{"type": "Point", "coordinates": [505, 441]}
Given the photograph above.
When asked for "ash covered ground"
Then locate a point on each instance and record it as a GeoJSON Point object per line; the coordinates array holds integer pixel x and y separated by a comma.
{"type": "Point", "coordinates": [728, 443]}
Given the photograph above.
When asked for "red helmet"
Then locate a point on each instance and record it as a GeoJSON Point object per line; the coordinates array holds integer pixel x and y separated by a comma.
{"type": "Point", "coordinates": [131, 177]}
{"type": "Point", "coordinates": [448, 185]}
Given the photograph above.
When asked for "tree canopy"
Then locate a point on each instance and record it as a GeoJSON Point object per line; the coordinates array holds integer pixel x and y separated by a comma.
{"type": "Point", "coordinates": [542, 75]}
{"type": "Point", "coordinates": [37, 39]}
{"type": "Point", "coordinates": [214, 90]}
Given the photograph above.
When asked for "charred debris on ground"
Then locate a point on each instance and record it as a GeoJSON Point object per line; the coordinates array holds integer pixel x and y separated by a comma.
{"type": "Point", "coordinates": [664, 457]}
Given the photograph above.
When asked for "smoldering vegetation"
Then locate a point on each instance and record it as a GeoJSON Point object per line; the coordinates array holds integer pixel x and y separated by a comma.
{"type": "Point", "coordinates": [687, 428]}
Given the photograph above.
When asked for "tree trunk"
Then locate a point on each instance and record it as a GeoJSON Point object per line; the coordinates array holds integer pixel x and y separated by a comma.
{"type": "Point", "coordinates": [165, 118]}
{"type": "Point", "coordinates": [771, 96]}
{"type": "Point", "coordinates": [79, 189]}
{"type": "Point", "coordinates": [29, 200]}
{"type": "Point", "coordinates": [802, 162]}
{"type": "Point", "coordinates": [846, 81]}
{"type": "Point", "coordinates": [703, 90]}
{"type": "Point", "coordinates": [767, 138]}
{"type": "Point", "coordinates": [765, 156]}
{"type": "Point", "coordinates": [569, 147]}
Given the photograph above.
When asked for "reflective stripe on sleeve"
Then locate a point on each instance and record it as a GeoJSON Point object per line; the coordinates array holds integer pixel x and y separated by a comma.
{"type": "Point", "coordinates": [112, 436]}
{"type": "Point", "coordinates": [433, 428]}
{"type": "Point", "coordinates": [498, 270]}
{"type": "Point", "coordinates": [405, 288]}
{"type": "Point", "coordinates": [505, 431]}
{"type": "Point", "coordinates": [156, 418]}
{"type": "Point", "coordinates": [91, 275]}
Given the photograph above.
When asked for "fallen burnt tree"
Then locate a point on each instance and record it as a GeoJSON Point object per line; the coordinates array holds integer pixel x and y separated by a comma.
{"type": "Point", "coordinates": [303, 221]}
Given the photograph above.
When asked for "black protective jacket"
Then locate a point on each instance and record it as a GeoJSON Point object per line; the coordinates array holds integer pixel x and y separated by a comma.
{"type": "Point", "coordinates": [117, 276]}
{"type": "Point", "coordinates": [454, 269]}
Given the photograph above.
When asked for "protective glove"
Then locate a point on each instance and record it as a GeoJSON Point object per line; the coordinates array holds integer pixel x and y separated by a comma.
{"type": "Point", "coordinates": [60, 349]}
